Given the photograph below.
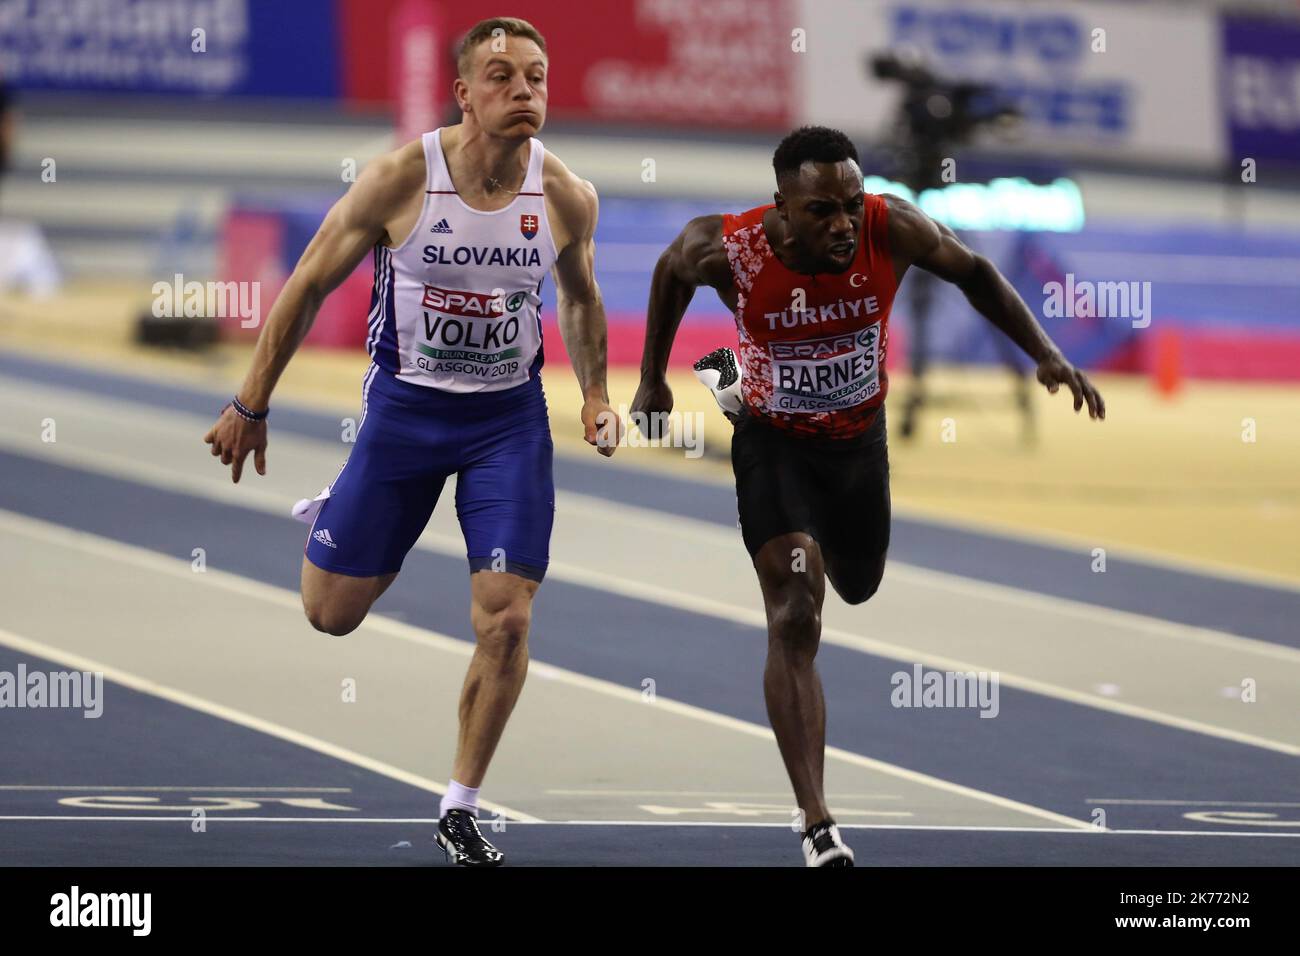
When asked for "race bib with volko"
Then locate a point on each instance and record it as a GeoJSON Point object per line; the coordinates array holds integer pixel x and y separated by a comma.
{"type": "Point", "coordinates": [472, 336]}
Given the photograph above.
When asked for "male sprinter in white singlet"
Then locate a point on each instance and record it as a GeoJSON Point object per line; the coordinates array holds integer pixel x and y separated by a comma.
{"type": "Point", "coordinates": [464, 225]}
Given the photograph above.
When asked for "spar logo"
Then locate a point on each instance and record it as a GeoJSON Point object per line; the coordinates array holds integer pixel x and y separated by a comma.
{"type": "Point", "coordinates": [832, 347]}
{"type": "Point", "coordinates": [456, 302]}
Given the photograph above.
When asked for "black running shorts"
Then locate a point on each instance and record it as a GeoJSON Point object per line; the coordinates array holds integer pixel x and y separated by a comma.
{"type": "Point", "coordinates": [836, 490]}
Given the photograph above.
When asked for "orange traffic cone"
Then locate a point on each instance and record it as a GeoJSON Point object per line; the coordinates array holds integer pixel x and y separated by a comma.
{"type": "Point", "coordinates": [1168, 365]}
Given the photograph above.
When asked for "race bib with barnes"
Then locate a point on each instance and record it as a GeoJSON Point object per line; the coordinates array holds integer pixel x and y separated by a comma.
{"type": "Point", "coordinates": [825, 374]}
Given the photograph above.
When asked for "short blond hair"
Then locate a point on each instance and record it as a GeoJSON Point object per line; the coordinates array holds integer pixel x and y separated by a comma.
{"type": "Point", "coordinates": [487, 30]}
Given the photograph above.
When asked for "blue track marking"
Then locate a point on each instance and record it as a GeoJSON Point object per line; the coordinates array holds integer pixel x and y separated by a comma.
{"type": "Point", "coordinates": [1201, 600]}
{"type": "Point", "coordinates": [1040, 750]}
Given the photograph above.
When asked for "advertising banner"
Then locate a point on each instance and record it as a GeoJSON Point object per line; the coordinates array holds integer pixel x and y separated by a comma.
{"type": "Point", "coordinates": [1261, 88]}
{"type": "Point", "coordinates": [1102, 80]}
{"type": "Point", "coordinates": [286, 48]}
{"type": "Point", "coordinates": [721, 64]}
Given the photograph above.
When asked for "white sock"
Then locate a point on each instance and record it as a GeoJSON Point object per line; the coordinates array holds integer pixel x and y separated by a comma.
{"type": "Point", "coordinates": [459, 797]}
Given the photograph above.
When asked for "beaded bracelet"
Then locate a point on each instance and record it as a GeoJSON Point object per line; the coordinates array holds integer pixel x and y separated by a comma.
{"type": "Point", "coordinates": [246, 413]}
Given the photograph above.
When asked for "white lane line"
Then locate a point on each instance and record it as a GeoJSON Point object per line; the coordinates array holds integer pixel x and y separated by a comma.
{"type": "Point", "coordinates": [209, 818]}
{"type": "Point", "coordinates": [840, 812]}
{"type": "Point", "coordinates": [255, 498]}
{"type": "Point", "coordinates": [117, 789]}
{"type": "Point", "coordinates": [68, 818]}
{"type": "Point", "coordinates": [1226, 833]}
{"type": "Point", "coordinates": [180, 568]}
{"type": "Point", "coordinates": [646, 591]}
{"type": "Point", "coordinates": [917, 826]}
{"type": "Point", "coordinates": [1188, 803]}
{"type": "Point", "coordinates": [115, 410]}
{"type": "Point", "coordinates": [102, 409]}
{"type": "Point", "coordinates": [715, 793]}
{"type": "Point", "coordinates": [230, 714]}
{"type": "Point", "coordinates": [1033, 600]}
{"type": "Point", "coordinates": [732, 613]}
{"type": "Point", "coordinates": [120, 466]}
{"type": "Point", "coordinates": [598, 508]}
{"type": "Point", "coordinates": [1067, 541]}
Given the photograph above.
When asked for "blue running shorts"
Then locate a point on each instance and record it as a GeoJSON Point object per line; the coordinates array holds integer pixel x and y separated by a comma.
{"type": "Point", "coordinates": [411, 438]}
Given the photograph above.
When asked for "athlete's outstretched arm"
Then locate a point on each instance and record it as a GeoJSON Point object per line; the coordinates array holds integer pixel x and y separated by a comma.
{"type": "Point", "coordinates": [349, 230]}
{"type": "Point", "coordinates": [695, 258]}
{"type": "Point", "coordinates": [916, 238]}
{"type": "Point", "coordinates": [581, 311]}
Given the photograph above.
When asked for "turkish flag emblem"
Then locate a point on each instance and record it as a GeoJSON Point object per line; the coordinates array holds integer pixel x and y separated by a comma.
{"type": "Point", "coordinates": [528, 226]}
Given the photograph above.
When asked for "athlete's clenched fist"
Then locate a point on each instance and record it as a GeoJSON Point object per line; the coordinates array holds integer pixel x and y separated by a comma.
{"type": "Point", "coordinates": [601, 426]}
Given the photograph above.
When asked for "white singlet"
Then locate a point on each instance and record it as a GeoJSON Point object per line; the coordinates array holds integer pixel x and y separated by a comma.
{"type": "Point", "coordinates": [457, 305]}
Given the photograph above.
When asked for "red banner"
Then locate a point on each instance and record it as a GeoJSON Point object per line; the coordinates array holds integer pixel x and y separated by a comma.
{"type": "Point", "coordinates": [420, 69]}
{"type": "Point", "coordinates": [716, 63]}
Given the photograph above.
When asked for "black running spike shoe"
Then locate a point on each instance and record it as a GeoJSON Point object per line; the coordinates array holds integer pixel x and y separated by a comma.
{"type": "Point", "coordinates": [460, 839]}
{"type": "Point", "coordinates": [822, 846]}
{"type": "Point", "coordinates": [720, 372]}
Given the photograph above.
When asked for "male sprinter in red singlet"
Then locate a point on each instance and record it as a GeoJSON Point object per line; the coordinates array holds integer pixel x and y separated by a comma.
{"type": "Point", "coordinates": [811, 280]}
{"type": "Point", "coordinates": [464, 225]}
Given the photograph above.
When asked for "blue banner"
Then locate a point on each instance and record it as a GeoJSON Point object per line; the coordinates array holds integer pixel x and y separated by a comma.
{"type": "Point", "coordinates": [285, 48]}
{"type": "Point", "coordinates": [1261, 88]}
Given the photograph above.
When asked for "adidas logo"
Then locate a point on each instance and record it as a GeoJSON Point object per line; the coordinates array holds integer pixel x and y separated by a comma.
{"type": "Point", "coordinates": [441, 226]}
{"type": "Point", "coordinates": [323, 536]}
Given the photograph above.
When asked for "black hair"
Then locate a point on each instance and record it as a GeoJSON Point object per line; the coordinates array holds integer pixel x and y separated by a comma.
{"type": "Point", "coordinates": [821, 144]}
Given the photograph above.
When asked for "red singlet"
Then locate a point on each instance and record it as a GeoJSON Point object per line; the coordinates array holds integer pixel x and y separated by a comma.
{"type": "Point", "coordinates": [819, 369]}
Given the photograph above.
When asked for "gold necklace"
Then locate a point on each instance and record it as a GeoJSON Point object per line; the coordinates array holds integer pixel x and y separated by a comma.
{"type": "Point", "coordinates": [493, 184]}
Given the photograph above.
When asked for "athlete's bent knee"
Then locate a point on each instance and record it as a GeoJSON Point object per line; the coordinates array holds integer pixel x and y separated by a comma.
{"type": "Point", "coordinates": [332, 620]}
{"type": "Point", "coordinates": [858, 592]}
{"type": "Point", "coordinates": [860, 587]}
